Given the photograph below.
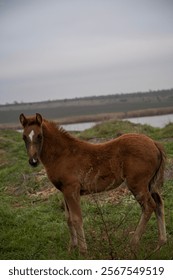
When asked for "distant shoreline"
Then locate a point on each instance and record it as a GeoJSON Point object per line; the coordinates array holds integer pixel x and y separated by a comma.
{"type": "Point", "coordinates": [101, 117]}
{"type": "Point", "coordinates": [91, 109]}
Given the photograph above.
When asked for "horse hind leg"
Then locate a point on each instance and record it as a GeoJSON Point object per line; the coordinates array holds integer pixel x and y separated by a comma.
{"type": "Point", "coordinates": [159, 212]}
{"type": "Point", "coordinates": [148, 206]}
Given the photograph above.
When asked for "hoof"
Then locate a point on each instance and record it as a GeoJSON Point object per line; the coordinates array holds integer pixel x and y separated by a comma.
{"type": "Point", "coordinates": [72, 248]}
{"type": "Point", "coordinates": [160, 244]}
{"type": "Point", "coordinates": [134, 241]}
{"type": "Point", "coordinates": [83, 251]}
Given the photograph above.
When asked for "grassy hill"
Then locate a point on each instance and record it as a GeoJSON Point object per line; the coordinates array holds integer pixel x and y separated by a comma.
{"type": "Point", "coordinates": [96, 108]}
{"type": "Point", "coordinates": [32, 220]}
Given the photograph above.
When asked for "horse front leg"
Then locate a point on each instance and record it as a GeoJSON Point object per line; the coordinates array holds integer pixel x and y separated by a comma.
{"type": "Point", "coordinates": [73, 234]}
{"type": "Point", "coordinates": [74, 220]}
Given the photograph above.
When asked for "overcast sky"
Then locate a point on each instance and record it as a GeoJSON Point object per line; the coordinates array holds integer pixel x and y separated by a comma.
{"type": "Point", "coordinates": [56, 49]}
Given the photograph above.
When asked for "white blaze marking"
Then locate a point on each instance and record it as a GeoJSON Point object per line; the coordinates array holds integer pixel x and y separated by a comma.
{"type": "Point", "coordinates": [31, 135]}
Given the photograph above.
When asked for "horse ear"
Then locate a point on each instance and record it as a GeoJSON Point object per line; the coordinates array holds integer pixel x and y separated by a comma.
{"type": "Point", "coordinates": [23, 120]}
{"type": "Point", "coordinates": [39, 118]}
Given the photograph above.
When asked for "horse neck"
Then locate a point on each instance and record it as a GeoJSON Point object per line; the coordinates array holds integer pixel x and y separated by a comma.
{"type": "Point", "coordinates": [56, 141]}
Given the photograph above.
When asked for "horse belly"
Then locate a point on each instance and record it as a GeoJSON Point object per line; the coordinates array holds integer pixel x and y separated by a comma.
{"type": "Point", "coordinates": [99, 183]}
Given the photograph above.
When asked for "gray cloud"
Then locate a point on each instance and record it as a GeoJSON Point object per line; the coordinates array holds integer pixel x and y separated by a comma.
{"type": "Point", "coordinates": [60, 49]}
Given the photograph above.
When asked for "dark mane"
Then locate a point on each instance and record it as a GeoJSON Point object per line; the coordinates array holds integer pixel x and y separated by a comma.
{"type": "Point", "coordinates": [57, 129]}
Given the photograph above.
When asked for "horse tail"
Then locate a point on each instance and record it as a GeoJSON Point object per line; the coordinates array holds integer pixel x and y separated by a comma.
{"type": "Point", "coordinates": [157, 180]}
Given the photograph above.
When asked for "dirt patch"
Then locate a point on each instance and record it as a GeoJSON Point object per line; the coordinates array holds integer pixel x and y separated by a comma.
{"type": "Point", "coordinates": [113, 196]}
{"type": "Point", "coordinates": [43, 194]}
{"type": "Point", "coordinates": [46, 188]}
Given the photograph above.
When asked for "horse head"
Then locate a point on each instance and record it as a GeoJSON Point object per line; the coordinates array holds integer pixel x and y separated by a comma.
{"type": "Point", "coordinates": [32, 136]}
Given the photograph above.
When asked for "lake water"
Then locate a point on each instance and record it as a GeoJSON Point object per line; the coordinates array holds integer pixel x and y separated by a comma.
{"type": "Point", "coordinates": [155, 121]}
{"type": "Point", "coordinates": [78, 126]}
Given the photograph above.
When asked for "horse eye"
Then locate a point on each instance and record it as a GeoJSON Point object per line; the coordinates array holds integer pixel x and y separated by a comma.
{"type": "Point", "coordinates": [39, 137]}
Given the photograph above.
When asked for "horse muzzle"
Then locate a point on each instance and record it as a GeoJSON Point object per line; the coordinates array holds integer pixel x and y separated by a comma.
{"type": "Point", "coordinates": [33, 162]}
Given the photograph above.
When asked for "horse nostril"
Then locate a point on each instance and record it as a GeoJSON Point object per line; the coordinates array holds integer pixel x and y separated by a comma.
{"type": "Point", "coordinates": [33, 162]}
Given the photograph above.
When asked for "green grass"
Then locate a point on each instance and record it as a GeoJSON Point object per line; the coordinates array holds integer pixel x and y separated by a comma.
{"type": "Point", "coordinates": [33, 226]}
{"type": "Point", "coordinates": [110, 129]}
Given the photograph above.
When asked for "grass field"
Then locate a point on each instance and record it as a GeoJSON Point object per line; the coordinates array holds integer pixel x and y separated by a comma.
{"type": "Point", "coordinates": [32, 220]}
